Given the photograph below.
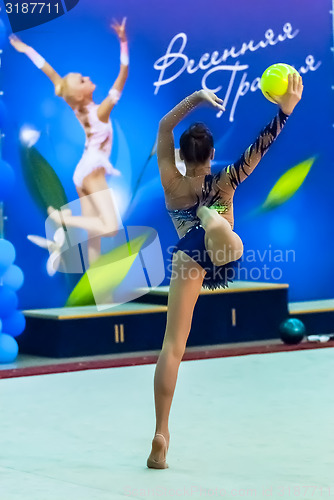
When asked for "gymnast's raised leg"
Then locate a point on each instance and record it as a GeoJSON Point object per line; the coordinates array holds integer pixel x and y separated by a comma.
{"type": "Point", "coordinates": [222, 243]}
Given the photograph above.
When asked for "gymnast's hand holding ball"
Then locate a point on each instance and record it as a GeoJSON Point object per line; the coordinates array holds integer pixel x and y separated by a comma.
{"type": "Point", "coordinates": [284, 90]}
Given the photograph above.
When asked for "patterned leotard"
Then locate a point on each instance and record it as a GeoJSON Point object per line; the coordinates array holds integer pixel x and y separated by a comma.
{"type": "Point", "coordinates": [217, 190]}
{"type": "Point", "coordinates": [98, 144]}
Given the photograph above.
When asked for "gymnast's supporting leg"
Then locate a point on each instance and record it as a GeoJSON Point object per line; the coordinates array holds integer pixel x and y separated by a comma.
{"type": "Point", "coordinates": [105, 222]}
{"type": "Point", "coordinates": [185, 285]}
{"type": "Point", "coordinates": [222, 243]}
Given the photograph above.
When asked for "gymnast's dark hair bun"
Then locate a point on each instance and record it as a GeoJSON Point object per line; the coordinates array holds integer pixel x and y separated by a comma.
{"type": "Point", "coordinates": [196, 143]}
{"type": "Point", "coordinates": [198, 130]}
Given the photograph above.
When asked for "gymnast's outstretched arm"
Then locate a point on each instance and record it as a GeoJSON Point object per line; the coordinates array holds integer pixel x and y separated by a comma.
{"type": "Point", "coordinates": [36, 58]}
{"type": "Point", "coordinates": [165, 144]}
{"type": "Point", "coordinates": [109, 102]}
{"type": "Point", "coordinates": [234, 174]}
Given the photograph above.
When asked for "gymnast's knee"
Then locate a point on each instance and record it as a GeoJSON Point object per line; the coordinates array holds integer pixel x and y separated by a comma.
{"type": "Point", "coordinates": [174, 349]}
{"type": "Point", "coordinates": [109, 228]}
{"type": "Point", "coordinates": [110, 233]}
{"type": "Point", "coordinates": [225, 255]}
{"type": "Point", "coordinates": [237, 253]}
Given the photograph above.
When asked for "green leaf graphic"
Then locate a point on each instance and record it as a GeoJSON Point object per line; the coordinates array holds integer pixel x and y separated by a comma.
{"type": "Point", "coordinates": [42, 181]}
{"type": "Point", "coordinates": [287, 185]}
{"type": "Point", "coordinates": [106, 274]}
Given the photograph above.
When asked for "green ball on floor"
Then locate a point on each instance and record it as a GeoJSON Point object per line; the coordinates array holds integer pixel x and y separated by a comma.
{"type": "Point", "coordinates": [292, 331]}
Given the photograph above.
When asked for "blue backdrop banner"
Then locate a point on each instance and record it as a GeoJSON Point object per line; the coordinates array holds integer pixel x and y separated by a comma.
{"type": "Point", "coordinates": [283, 211]}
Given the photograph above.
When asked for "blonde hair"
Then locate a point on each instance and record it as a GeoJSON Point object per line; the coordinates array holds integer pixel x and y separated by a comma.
{"type": "Point", "coordinates": [63, 89]}
{"type": "Point", "coordinates": [59, 88]}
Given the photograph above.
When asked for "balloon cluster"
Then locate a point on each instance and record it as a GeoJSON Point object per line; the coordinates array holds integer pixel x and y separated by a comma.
{"type": "Point", "coordinates": [12, 321]}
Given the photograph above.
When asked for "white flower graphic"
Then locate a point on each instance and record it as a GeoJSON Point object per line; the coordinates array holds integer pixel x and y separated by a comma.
{"type": "Point", "coordinates": [55, 248]}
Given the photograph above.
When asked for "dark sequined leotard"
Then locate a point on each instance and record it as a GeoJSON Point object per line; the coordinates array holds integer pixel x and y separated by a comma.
{"type": "Point", "coordinates": [184, 195]}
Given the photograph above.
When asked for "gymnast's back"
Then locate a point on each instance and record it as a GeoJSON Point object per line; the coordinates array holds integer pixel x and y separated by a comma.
{"type": "Point", "coordinates": [184, 194]}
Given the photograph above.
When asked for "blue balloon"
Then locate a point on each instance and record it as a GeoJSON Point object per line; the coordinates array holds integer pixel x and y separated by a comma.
{"type": "Point", "coordinates": [7, 253]}
{"type": "Point", "coordinates": [8, 301]}
{"type": "Point", "coordinates": [0, 325]}
{"type": "Point", "coordinates": [14, 324]}
{"type": "Point", "coordinates": [8, 348]}
{"type": "Point", "coordinates": [3, 34]}
{"type": "Point", "coordinates": [13, 277]}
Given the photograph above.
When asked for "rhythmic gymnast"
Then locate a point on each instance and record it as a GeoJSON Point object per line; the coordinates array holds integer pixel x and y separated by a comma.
{"type": "Point", "coordinates": [208, 247]}
{"type": "Point", "coordinates": [99, 216]}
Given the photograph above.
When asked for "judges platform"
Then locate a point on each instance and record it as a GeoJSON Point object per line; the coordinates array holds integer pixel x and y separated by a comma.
{"type": "Point", "coordinates": [243, 312]}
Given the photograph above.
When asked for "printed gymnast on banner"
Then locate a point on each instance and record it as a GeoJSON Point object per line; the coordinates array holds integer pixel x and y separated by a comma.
{"type": "Point", "coordinates": [98, 208]}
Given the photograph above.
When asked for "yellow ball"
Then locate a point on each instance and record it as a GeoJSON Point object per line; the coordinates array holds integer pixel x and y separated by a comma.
{"type": "Point", "coordinates": [274, 81]}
